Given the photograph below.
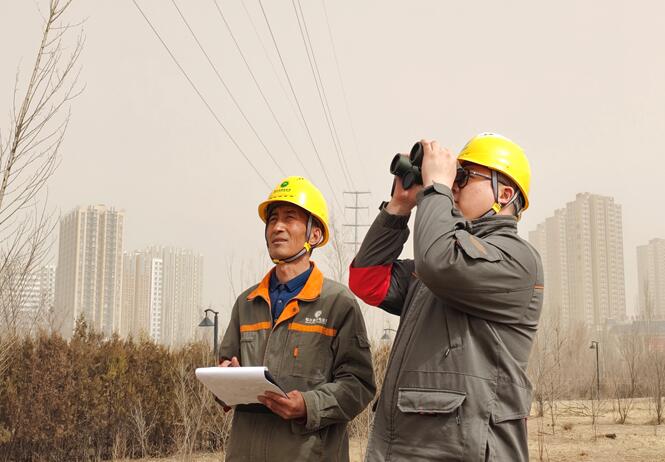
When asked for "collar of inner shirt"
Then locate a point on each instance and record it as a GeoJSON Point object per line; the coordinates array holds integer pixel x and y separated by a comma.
{"type": "Point", "coordinates": [292, 285]}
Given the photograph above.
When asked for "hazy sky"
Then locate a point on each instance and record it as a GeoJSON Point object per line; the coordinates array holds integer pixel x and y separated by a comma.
{"type": "Point", "coordinates": [578, 84]}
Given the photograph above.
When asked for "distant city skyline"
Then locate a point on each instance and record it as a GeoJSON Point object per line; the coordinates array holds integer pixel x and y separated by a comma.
{"type": "Point", "coordinates": [156, 291]}
{"type": "Point", "coordinates": [149, 299]}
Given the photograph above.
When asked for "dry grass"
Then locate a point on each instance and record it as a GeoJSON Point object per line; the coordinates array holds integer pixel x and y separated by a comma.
{"type": "Point", "coordinates": [571, 440]}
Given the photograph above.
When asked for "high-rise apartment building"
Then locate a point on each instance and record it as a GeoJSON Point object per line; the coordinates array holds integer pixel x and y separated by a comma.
{"type": "Point", "coordinates": [47, 286]}
{"type": "Point", "coordinates": [36, 298]}
{"type": "Point", "coordinates": [550, 240]}
{"type": "Point", "coordinates": [651, 280]}
{"type": "Point", "coordinates": [89, 271]}
{"type": "Point", "coordinates": [142, 294]}
{"type": "Point", "coordinates": [582, 249]}
{"type": "Point", "coordinates": [162, 294]}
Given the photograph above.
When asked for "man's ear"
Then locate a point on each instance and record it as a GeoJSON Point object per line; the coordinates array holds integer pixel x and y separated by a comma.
{"type": "Point", "coordinates": [316, 236]}
{"type": "Point", "coordinates": [506, 193]}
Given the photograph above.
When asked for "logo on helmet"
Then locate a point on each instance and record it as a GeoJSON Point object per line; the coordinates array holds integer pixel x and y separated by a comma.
{"type": "Point", "coordinates": [284, 184]}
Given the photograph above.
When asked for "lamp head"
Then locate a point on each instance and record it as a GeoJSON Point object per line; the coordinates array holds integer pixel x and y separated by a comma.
{"type": "Point", "coordinates": [206, 322]}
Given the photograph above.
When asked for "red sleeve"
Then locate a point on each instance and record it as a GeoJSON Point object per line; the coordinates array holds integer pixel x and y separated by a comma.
{"type": "Point", "coordinates": [370, 284]}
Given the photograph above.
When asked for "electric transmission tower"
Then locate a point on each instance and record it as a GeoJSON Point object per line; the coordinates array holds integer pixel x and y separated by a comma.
{"type": "Point", "coordinates": [355, 225]}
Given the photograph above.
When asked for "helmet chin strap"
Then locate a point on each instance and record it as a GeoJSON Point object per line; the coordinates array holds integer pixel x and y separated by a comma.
{"type": "Point", "coordinates": [307, 247]}
{"type": "Point", "coordinates": [497, 207]}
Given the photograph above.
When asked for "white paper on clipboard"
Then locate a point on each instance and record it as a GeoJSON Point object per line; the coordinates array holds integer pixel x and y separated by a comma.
{"type": "Point", "coordinates": [238, 385]}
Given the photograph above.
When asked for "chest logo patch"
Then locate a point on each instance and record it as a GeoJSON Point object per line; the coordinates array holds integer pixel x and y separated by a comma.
{"type": "Point", "coordinates": [317, 319]}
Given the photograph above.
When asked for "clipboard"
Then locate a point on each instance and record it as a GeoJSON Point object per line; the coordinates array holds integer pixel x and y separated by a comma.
{"type": "Point", "coordinates": [238, 385]}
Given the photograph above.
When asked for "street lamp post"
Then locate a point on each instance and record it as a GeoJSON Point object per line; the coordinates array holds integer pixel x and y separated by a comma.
{"type": "Point", "coordinates": [594, 346]}
{"type": "Point", "coordinates": [206, 322]}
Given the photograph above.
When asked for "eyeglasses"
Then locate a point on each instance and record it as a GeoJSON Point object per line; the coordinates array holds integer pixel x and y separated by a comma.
{"type": "Point", "coordinates": [463, 174]}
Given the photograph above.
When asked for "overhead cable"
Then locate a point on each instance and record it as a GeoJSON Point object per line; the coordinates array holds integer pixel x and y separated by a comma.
{"type": "Point", "coordinates": [313, 65]}
{"type": "Point", "coordinates": [228, 90]}
{"type": "Point", "coordinates": [309, 133]}
{"type": "Point", "coordinates": [205, 102]}
{"type": "Point", "coordinates": [258, 86]}
{"type": "Point", "coordinates": [341, 83]}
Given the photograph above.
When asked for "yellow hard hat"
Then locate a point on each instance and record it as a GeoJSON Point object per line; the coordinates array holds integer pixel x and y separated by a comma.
{"type": "Point", "coordinates": [498, 153]}
{"type": "Point", "coordinates": [301, 192]}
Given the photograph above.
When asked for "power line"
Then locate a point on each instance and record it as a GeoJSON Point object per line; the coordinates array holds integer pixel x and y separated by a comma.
{"type": "Point", "coordinates": [288, 78]}
{"type": "Point", "coordinates": [212, 112]}
{"type": "Point", "coordinates": [321, 90]}
{"type": "Point", "coordinates": [341, 82]}
{"type": "Point", "coordinates": [313, 65]}
{"type": "Point", "coordinates": [265, 100]}
{"type": "Point", "coordinates": [272, 65]}
{"type": "Point", "coordinates": [228, 90]}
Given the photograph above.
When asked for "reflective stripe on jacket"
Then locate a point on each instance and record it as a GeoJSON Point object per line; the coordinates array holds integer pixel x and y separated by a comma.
{"type": "Point", "coordinates": [319, 346]}
{"type": "Point", "coordinates": [456, 386]}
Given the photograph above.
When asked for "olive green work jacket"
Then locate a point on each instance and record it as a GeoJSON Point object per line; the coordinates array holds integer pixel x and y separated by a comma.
{"type": "Point", "coordinates": [455, 387]}
{"type": "Point", "coordinates": [319, 346]}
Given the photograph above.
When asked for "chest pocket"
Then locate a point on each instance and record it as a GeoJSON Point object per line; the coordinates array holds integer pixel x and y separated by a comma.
{"type": "Point", "coordinates": [249, 348]}
{"type": "Point", "coordinates": [311, 352]}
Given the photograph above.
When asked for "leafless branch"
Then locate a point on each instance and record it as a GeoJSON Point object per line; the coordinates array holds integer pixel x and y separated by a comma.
{"type": "Point", "coordinates": [29, 156]}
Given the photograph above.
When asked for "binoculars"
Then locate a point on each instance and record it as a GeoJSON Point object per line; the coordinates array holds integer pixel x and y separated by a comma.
{"type": "Point", "coordinates": [408, 167]}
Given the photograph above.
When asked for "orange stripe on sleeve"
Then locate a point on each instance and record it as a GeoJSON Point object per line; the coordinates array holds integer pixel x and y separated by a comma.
{"type": "Point", "coordinates": [330, 332]}
{"type": "Point", "coordinates": [254, 327]}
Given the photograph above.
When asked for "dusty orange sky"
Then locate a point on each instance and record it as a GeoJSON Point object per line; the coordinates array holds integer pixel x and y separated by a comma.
{"type": "Point", "coordinates": [578, 84]}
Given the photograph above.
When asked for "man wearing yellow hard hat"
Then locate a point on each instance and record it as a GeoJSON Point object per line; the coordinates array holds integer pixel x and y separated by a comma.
{"type": "Point", "coordinates": [469, 302]}
{"type": "Point", "coordinates": [309, 332]}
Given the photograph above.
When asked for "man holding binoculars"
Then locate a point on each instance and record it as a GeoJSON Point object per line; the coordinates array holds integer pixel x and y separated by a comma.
{"type": "Point", "coordinates": [456, 386]}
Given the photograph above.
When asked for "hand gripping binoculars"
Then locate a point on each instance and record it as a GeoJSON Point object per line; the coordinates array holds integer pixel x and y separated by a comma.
{"type": "Point", "coordinates": [408, 168]}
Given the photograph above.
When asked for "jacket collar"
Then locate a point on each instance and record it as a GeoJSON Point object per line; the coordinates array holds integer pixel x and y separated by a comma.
{"type": "Point", "coordinates": [481, 227]}
{"type": "Point", "coordinates": [311, 291]}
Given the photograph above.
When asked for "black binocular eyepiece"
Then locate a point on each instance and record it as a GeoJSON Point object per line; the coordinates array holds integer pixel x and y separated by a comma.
{"type": "Point", "coordinates": [408, 167]}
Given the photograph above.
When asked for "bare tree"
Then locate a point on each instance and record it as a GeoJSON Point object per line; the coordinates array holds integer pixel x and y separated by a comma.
{"type": "Point", "coordinates": [630, 351]}
{"type": "Point", "coordinates": [337, 255]}
{"type": "Point", "coordinates": [596, 409]}
{"type": "Point", "coordinates": [192, 400]}
{"type": "Point", "coordinates": [546, 369]}
{"type": "Point", "coordinates": [538, 372]}
{"type": "Point", "coordinates": [143, 424]}
{"type": "Point", "coordinates": [654, 362]}
{"type": "Point", "coordinates": [220, 425]}
{"type": "Point", "coordinates": [541, 446]}
{"type": "Point", "coordinates": [29, 155]}
{"type": "Point", "coordinates": [244, 272]}
{"type": "Point", "coordinates": [656, 382]}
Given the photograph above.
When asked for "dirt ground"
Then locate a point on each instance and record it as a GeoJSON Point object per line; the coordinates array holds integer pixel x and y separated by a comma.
{"type": "Point", "coordinates": [572, 439]}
